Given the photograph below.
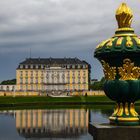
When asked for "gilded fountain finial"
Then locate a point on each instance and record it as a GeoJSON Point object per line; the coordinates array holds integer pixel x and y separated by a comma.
{"type": "Point", "coordinates": [124, 16]}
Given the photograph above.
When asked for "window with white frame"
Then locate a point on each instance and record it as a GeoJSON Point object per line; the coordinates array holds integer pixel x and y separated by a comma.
{"type": "Point", "coordinates": [26, 73]}
{"type": "Point", "coordinates": [26, 80]}
{"type": "Point", "coordinates": [31, 73]}
{"type": "Point", "coordinates": [26, 87]}
{"type": "Point", "coordinates": [21, 73]}
{"type": "Point", "coordinates": [36, 80]}
{"type": "Point", "coordinates": [31, 80]}
{"type": "Point", "coordinates": [31, 87]}
{"type": "Point", "coordinates": [84, 66]}
{"type": "Point", "coordinates": [36, 87]}
{"type": "Point", "coordinates": [21, 66]}
{"type": "Point", "coordinates": [21, 87]}
{"type": "Point", "coordinates": [21, 80]}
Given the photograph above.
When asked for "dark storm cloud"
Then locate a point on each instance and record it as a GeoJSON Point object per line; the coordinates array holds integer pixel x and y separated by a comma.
{"type": "Point", "coordinates": [56, 28]}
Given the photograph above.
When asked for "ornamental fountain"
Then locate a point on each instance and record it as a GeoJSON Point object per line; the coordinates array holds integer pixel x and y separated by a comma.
{"type": "Point", "coordinates": [119, 57]}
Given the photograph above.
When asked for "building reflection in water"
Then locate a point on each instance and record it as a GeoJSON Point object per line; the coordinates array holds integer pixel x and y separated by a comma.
{"type": "Point", "coordinates": [52, 123]}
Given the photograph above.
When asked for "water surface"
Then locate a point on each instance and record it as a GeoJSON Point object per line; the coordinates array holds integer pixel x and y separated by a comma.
{"type": "Point", "coordinates": [50, 124]}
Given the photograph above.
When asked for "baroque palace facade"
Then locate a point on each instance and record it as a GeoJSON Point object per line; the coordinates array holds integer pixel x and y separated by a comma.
{"type": "Point", "coordinates": [53, 74]}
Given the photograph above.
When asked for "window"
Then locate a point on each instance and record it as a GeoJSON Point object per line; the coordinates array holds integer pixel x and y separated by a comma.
{"type": "Point", "coordinates": [36, 66]}
{"type": "Point", "coordinates": [73, 73]}
{"type": "Point", "coordinates": [36, 87]}
{"type": "Point", "coordinates": [31, 87]}
{"type": "Point", "coordinates": [21, 73]}
{"type": "Point", "coordinates": [26, 72]}
{"type": "Point", "coordinates": [21, 80]}
{"type": "Point", "coordinates": [41, 66]}
{"type": "Point", "coordinates": [68, 80]}
{"type": "Point", "coordinates": [68, 87]}
{"type": "Point", "coordinates": [78, 66]}
{"type": "Point", "coordinates": [84, 73]}
{"type": "Point", "coordinates": [84, 80]}
{"type": "Point", "coordinates": [73, 66]}
{"type": "Point", "coordinates": [47, 76]}
{"type": "Point", "coordinates": [13, 88]}
{"type": "Point", "coordinates": [31, 66]}
{"type": "Point", "coordinates": [31, 80]}
{"type": "Point", "coordinates": [78, 87]}
{"type": "Point", "coordinates": [73, 87]}
{"type": "Point", "coordinates": [36, 80]}
{"type": "Point", "coordinates": [26, 80]}
{"type": "Point", "coordinates": [21, 66]}
{"type": "Point", "coordinates": [73, 80]}
{"type": "Point", "coordinates": [26, 87]}
{"type": "Point", "coordinates": [42, 73]}
{"type": "Point", "coordinates": [31, 73]}
{"type": "Point", "coordinates": [79, 80]}
{"type": "Point", "coordinates": [21, 87]}
{"type": "Point", "coordinates": [26, 66]}
{"type": "Point", "coordinates": [84, 66]}
{"type": "Point", "coordinates": [1, 87]}
{"type": "Point", "coordinates": [42, 80]}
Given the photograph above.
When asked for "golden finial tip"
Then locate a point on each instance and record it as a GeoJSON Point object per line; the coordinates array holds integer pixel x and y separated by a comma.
{"type": "Point", "coordinates": [124, 16]}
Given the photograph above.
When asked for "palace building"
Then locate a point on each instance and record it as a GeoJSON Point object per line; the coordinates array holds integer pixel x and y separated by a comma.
{"type": "Point", "coordinates": [53, 74]}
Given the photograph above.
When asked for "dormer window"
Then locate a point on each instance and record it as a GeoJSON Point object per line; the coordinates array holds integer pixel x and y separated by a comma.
{"type": "Point", "coordinates": [36, 66]}
{"type": "Point", "coordinates": [78, 66]}
{"type": "Point", "coordinates": [31, 66]}
{"type": "Point", "coordinates": [84, 66]}
{"type": "Point", "coordinates": [26, 66]}
{"type": "Point", "coordinates": [21, 66]}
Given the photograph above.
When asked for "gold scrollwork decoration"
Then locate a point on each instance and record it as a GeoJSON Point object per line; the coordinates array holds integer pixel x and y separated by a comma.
{"type": "Point", "coordinates": [102, 44]}
{"type": "Point", "coordinates": [129, 42]}
{"type": "Point", "coordinates": [137, 40]}
{"type": "Point", "coordinates": [119, 41]}
{"type": "Point", "coordinates": [128, 71]}
{"type": "Point", "coordinates": [109, 72]}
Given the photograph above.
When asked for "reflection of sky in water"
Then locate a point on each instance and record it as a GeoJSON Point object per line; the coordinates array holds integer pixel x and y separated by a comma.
{"type": "Point", "coordinates": [9, 130]}
{"type": "Point", "coordinates": [98, 117]}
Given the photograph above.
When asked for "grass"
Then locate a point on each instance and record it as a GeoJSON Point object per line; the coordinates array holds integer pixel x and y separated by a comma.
{"type": "Point", "coordinates": [42, 99]}
{"type": "Point", "coordinates": [54, 102]}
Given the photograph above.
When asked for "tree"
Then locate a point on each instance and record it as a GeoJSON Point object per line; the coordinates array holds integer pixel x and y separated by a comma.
{"type": "Point", "coordinates": [8, 82]}
{"type": "Point", "coordinates": [97, 85]}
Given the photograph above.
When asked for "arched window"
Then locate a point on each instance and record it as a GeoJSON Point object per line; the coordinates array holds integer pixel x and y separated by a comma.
{"type": "Point", "coordinates": [7, 88]}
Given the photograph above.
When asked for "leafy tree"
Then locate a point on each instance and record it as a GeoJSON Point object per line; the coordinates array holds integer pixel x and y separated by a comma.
{"type": "Point", "coordinates": [97, 85]}
{"type": "Point", "coordinates": [8, 82]}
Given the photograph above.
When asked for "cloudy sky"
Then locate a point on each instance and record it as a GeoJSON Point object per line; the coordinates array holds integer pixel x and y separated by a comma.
{"type": "Point", "coordinates": [57, 28]}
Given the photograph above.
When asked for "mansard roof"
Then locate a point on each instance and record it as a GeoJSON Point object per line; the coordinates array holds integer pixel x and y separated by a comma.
{"type": "Point", "coordinates": [51, 61]}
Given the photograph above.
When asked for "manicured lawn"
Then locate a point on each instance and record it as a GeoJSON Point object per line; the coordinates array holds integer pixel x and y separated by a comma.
{"type": "Point", "coordinates": [44, 100]}
{"type": "Point", "coordinates": [56, 102]}
{"type": "Point", "coordinates": [40, 99]}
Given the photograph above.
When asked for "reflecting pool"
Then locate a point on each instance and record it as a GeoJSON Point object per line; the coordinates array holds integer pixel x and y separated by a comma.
{"type": "Point", "coordinates": [50, 124]}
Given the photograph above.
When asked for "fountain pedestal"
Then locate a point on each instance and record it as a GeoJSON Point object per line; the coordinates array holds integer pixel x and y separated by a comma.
{"type": "Point", "coordinates": [112, 132]}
